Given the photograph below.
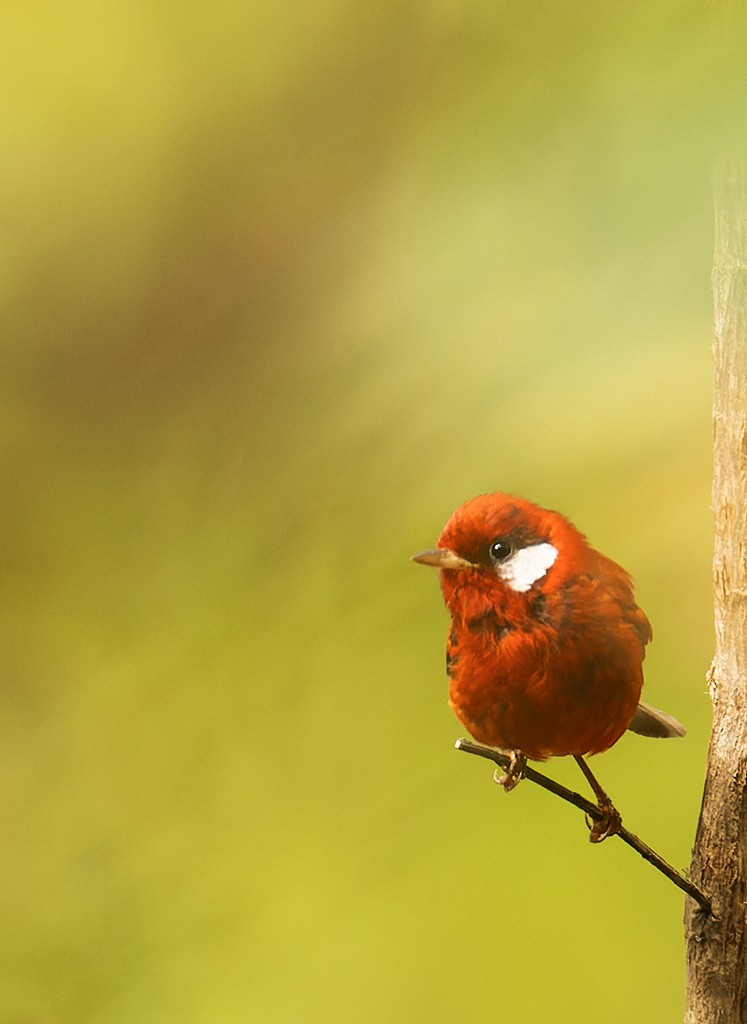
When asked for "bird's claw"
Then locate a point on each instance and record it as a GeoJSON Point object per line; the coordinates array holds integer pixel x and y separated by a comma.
{"type": "Point", "coordinates": [608, 825]}
{"type": "Point", "coordinates": [514, 772]}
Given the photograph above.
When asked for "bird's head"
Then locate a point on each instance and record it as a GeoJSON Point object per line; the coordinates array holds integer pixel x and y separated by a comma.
{"type": "Point", "coordinates": [503, 545]}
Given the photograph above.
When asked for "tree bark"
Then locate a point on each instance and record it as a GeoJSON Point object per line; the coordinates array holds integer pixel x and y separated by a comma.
{"type": "Point", "coordinates": [717, 946]}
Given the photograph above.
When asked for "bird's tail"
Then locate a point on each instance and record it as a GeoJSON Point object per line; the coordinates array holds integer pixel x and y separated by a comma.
{"type": "Point", "coordinates": [648, 721]}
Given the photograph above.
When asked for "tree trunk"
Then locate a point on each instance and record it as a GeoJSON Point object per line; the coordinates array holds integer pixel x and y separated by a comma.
{"type": "Point", "coordinates": [717, 946]}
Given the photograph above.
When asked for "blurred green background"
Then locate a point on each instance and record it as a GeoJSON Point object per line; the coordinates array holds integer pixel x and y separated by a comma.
{"type": "Point", "coordinates": [282, 285]}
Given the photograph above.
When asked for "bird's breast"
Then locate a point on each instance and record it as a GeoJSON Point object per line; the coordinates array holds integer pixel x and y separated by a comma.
{"type": "Point", "coordinates": [530, 686]}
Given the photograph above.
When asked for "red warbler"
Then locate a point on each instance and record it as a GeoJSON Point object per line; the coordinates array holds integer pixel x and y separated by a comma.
{"type": "Point", "coordinates": [546, 646]}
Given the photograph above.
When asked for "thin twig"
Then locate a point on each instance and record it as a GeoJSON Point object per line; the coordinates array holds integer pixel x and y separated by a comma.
{"type": "Point", "coordinates": [594, 812]}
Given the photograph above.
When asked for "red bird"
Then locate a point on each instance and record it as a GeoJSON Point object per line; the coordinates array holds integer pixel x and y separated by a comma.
{"type": "Point", "coordinates": [547, 643]}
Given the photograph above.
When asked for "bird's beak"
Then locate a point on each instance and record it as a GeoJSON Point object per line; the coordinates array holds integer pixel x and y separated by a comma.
{"type": "Point", "coordinates": [442, 558]}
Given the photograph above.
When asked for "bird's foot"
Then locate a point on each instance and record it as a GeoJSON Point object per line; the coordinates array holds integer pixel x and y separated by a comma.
{"type": "Point", "coordinates": [608, 825]}
{"type": "Point", "coordinates": [610, 822]}
{"type": "Point", "coordinates": [514, 772]}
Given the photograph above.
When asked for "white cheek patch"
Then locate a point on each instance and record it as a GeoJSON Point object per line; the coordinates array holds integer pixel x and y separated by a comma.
{"type": "Point", "coordinates": [526, 566]}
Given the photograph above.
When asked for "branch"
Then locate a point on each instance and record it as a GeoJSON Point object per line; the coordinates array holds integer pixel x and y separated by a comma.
{"type": "Point", "coordinates": [594, 812]}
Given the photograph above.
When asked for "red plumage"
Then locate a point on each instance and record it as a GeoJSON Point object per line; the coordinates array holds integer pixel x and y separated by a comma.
{"type": "Point", "coordinates": [545, 666]}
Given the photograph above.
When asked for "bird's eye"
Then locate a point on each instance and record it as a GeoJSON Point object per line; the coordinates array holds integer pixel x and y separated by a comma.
{"type": "Point", "coordinates": [499, 550]}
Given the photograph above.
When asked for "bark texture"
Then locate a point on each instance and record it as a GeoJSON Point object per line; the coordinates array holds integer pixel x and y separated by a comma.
{"type": "Point", "coordinates": [717, 946]}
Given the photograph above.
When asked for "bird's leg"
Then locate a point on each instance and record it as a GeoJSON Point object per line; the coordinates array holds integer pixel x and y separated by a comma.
{"type": "Point", "coordinates": [514, 772]}
{"type": "Point", "coordinates": [611, 822]}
